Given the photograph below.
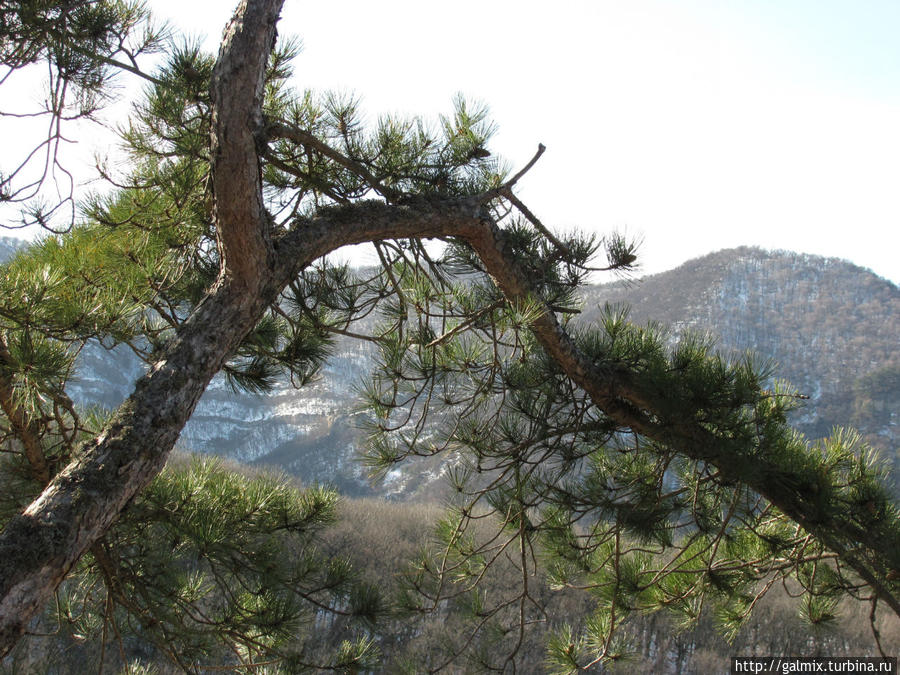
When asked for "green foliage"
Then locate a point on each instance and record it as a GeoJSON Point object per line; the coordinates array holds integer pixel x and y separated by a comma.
{"type": "Point", "coordinates": [215, 567]}
{"type": "Point", "coordinates": [78, 40]}
{"type": "Point", "coordinates": [397, 159]}
{"type": "Point", "coordinates": [81, 46]}
{"type": "Point", "coordinates": [639, 523]}
{"type": "Point", "coordinates": [645, 498]}
{"type": "Point", "coordinates": [96, 281]}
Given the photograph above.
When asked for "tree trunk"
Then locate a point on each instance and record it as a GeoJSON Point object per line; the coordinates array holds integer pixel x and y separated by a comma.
{"type": "Point", "coordinates": [40, 546]}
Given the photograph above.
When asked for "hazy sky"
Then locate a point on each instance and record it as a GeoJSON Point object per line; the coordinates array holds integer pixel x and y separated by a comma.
{"type": "Point", "coordinates": [694, 124]}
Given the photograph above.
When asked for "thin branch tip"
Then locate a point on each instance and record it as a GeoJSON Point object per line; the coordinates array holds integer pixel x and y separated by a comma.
{"type": "Point", "coordinates": [525, 169]}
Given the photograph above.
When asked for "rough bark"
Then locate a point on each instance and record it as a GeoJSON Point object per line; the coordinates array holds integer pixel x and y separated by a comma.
{"type": "Point", "coordinates": [874, 555]}
{"type": "Point", "coordinates": [40, 546]}
{"type": "Point", "coordinates": [236, 92]}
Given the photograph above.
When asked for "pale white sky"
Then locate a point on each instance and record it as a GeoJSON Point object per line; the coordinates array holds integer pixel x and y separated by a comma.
{"type": "Point", "coordinates": [694, 124]}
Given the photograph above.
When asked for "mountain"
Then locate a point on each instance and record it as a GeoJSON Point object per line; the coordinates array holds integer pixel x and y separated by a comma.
{"type": "Point", "coordinates": [309, 432]}
{"type": "Point", "coordinates": [8, 247]}
{"type": "Point", "coordinates": [831, 327]}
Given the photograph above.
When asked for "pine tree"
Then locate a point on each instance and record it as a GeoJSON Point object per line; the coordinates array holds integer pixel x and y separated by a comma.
{"type": "Point", "coordinates": [207, 568]}
{"type": "Point", "coordinates": [653, 477]}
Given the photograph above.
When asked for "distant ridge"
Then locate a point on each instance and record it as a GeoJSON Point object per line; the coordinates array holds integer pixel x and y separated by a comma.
{"type": "Point", "coordinates": [827, 323]}
{"type": "Point", "coordinates": [8, 247]}
{"type": "Point", "coordinates": [832, 327]}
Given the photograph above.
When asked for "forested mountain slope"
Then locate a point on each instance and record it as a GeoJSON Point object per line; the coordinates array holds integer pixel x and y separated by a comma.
{"type": "Point", "coordinates": [8, 246]}
{"type": "Point", "coordinates": [831, 328]}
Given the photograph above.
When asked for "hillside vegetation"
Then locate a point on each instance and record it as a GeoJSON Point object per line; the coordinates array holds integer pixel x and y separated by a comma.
{"type": "Point", "coordinates": [382, 540]}
{"type": "Point", "coordinates": [829, 327]}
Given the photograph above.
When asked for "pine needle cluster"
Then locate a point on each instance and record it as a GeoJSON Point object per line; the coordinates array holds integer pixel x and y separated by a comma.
{"type": "Point", "coordinates": [651, 475]}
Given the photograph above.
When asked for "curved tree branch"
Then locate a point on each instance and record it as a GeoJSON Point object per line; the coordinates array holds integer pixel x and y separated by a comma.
{"type": "Point", "coordinates": [40, 546]}
{"type": "Point", "coordinates": [236, 91]}
{"type": "Point", "coordinates": [873, 554]}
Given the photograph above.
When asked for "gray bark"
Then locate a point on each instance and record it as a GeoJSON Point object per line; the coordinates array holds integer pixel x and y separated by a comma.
{"type": "Point", "coordinates": [40, 546]}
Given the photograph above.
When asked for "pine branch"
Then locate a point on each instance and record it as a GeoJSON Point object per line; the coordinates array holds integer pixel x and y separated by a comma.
{"type": "Point", "coordinates": [280, 129]}
{"type": "Point", "coordinates": [615, 390]}
{"type": "Point", "coordinates": [27, 430]}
